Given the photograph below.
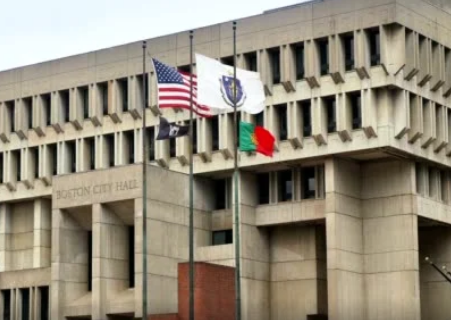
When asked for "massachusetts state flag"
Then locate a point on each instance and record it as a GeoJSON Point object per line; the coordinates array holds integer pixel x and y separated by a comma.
{"type": "Point", "coordinates": [174, 90]}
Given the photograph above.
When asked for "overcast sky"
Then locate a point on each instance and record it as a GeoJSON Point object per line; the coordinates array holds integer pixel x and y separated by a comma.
{"type": "Point", "coordinates": [33, 31]}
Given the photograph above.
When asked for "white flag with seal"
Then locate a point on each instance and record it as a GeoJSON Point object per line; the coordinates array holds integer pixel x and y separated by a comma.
{"type": "Point", "coordinates": [215, 86]}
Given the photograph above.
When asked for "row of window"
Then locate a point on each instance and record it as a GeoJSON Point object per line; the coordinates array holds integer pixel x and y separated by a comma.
{"type": "Point", "coordinates": [433, 182]}
{"type": "Point", "coordinates": [26, 306]}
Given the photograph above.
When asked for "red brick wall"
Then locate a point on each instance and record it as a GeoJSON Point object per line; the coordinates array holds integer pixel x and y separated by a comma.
{"type": "Point", "coordinates": [214, 292]}
{"type": "Point", "coordinates": [164, 317]}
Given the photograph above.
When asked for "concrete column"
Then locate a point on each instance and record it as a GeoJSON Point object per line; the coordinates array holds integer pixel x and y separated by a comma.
{"type": "Point", "coordinates": [344, 241]}
{"type": "Point", "coordinates": [42, 233]}
{"type": "Point", "coordinates": [5, 231]}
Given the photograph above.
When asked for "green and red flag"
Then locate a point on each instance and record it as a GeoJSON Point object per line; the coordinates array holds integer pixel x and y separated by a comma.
{"type": "Point", "coordinates": [256, 138]}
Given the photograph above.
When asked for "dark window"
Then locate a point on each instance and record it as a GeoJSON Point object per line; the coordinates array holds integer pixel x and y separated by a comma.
{"type": "Point", "coordinates": [251, 61]}
{"type": "Point", "coordinates": [356, 110]}
{"type": "Point", "coordinates": [84, 97]}
{"type": "Point", "coordinates": [129, 137]}
{"type": "Point", "coordinates": [89, 243]}
{"type": "Point", "coordinates": [6, 297]}
{"type": "Point", "coordinates": [103, 92]}
{"type": "Point", "coordinates": [285, 185]}
{"type": "Point", "coordinates": [442, 191]}
{"type": "Point", "coordinates": [172, 148]}
{"type": "Point", "coordinates": [1, 167]}
{"type": "Point", "coordinates": [323, 49]}
{"type": "Point", "coordinates": [109, 139]}
{"type": "Point", "coordinates": [306, 118]}
{"type": "Point", "coordinates": [64, 95]}
{"type": "Point", "coordinates": [283, 121]}
{"type": "Point", "coordinates": [215, 133]}
{"type": "Point", "coordinates": [44, 310]}
{"type": "Point", "coordinates": [331, 114]}
{"type": "Point", "coordinates": [25, 295]}
{"type": "Point", "coordinates": [228, 61]}
{"type": "Point", "coordinates": [194, 136]}
{"type": "Point", "coordinates": [263, 188]}
{"type": "Point", "coordinates": [123, 93]}
{"type": "Point", "coordinates": [298, 50]}
{"type": "Point", "coordinates": [131, 256]}
{"type": "Point", "coordinates": [274, 60]}
{"type": "Point", "coordinates": [222, 237]}
{"type": "Point", "coordinates": [184, 69]}
{"type": "Point", "coordinates": [92, 153]}
{"type": "Point", "coordinates": [260, 119]}
{"type": "Point", "coordinates": [418, 177]}
{"type": "Point", "coordinates": [11, 114]}
{"type": "Point", "coordinates": [71, 149]}
{"type": "Point", "coordinates": [374, 46]}
{"type": "Point", "coordinates": [151, 142]}
{"type": "Point", "coordinates": [308, 187]}
{"type": "Point", "coordinates": [431, 181]}
{"type": "Point", "coordinates": [146, 88]}
{"type": "Point", "coordinates": [28, 104]}
{"type": "Point", "coordinates": [35, 154]}
{"type": "Point", "coordinates": [348, 50]}
{"type": "Point", "coordinates": [222, 192]}
{"type": "Point", "coordinates": [47, 108]}
{"type": "Point", "coordinates": [54, 158]}
{"type": "Point", "coordinates": [16, 157]}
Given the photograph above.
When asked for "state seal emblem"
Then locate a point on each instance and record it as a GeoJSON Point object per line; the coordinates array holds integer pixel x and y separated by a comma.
{"type": "Point", "coordinates": [227, 85]}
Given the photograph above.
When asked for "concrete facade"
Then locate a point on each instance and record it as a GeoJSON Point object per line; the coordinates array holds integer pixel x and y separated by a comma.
{"type": "Point", "coordinates": [336, 224]}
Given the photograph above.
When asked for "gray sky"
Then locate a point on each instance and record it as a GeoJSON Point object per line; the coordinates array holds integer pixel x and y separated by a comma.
{"type": "Point", "coordinates": [33, 31]}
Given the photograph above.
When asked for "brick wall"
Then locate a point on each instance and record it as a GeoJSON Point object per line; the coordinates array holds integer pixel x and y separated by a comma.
{"type": "Point", "coordinates": [164, 317]}
{"type": "Point", "coordinates": [214, 292]}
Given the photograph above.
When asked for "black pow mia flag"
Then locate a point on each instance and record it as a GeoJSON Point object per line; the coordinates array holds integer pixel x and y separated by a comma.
{"type": "Point", "coordinates": [171, 130]}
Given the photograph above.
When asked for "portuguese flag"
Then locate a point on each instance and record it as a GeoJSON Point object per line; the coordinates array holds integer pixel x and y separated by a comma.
{"type": "Point", "coordinates": [256, 138]}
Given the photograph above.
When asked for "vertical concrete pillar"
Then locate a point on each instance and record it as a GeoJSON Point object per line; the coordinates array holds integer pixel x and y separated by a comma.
{"type": "Point", "coordinates": [42, 233]}
{"type": "Point", "coordinates": [5, 231]}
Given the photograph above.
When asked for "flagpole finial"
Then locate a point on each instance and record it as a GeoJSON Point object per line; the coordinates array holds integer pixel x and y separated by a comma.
{"type": "Point", "coordinates": [191, 34]}
{"type": "Point", "coordinates": [234, 25]}
{"type": "Point", "coordinates": [144, 44]}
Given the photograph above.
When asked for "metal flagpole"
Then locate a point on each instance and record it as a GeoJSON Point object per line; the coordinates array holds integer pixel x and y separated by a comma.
{"type": "Point", "coordinates": [144, 194]}
{"type": "Point", "coordinates": [191, 188]}
{"type": "Point", "coordinates": [235, 175]}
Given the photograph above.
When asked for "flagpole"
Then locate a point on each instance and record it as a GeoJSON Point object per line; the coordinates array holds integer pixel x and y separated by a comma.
{"type": "Point", "coordinates": [144, 189]}
{"type": "Point", "coordinates": [191, 188]}
{"type": "Point", "coordinates": [237, 222]}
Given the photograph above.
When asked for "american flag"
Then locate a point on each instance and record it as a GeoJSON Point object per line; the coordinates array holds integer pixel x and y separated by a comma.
{"type": "Point", "coordinates": [174, 89]}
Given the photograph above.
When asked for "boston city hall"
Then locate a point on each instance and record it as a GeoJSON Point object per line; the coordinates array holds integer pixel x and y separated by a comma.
{"type": "Point", "coordinates": [336, 225]}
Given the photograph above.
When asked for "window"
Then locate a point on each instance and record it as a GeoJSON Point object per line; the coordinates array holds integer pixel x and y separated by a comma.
{"type": "Point", "coordinates": [71, 155]}
{"type": "Point", "coordinates": [285, 185]}
{"type": "Point", "coordinates": [281, 111]}
{"type": "Point", "coordinates": [215, 133]}
{"type": "Point", "coordinates": [274, 62]}
{"type": "Point", "coordinates": [418, 178]}
{"type": "Point", "coordinates": [222, 237]}
{"type": "Point", "coordinates": [263, 188]}
{"type": "Point", "coordinates": [172, 148]}
{"type": "Point", "coordinates": [355, 100]}
{"type": "Point", "coordinates": [44, 310]}
{"type": "Point", "coordinates": [6, 297]}
{"type": "Point", "coordinates": [260, 119]}
{"type": "Point", "coordinates": [64, 96]}
{"type": "Point", "coordinates": [329, 103]}
{"type": "Point", "coordinates": [443, 196]}
{"type": "Point", "coordinates": [431, 181]}
{"type": "Point", "coordinates": [25, 308]}
{"type": "Point", "coordinates": [228, 61]}
{"type": "Point", "coordinates": [298, 51]}
{"type": "Point", "coordinates": [348, 51]}
{"type": "Point", "coordinates": [306, 118]}
{"type": "Point", "coordinates": [1, 167]}
{"type": "Point", "coordinates": [28, 105]}
{"type": "Point", "coordinates": [89, 262]}
{"type": "Point", "coordinates": [151, 142]}
{"type": "Point", "coordinates": [103, 97]}
{"type": "Point", "coordinates": [34, 152]}
{"type": "Point", "coordinates": [146, 88]}
{"type": "Point", "coordinates": [123, 93]}
{"type": "Point", "coordinates": [47, 108]}
{"type": "Point", "coordinates": [250, 59]}
{"type": "Point", "coordinates": [129, 138]}
{"type": "Point", "coordinates": [84, 100]}
{"type": "Point", "coordinates": [16, 158]}
{"type": "Point", "coordinates": [194, 136]}
{"type": "Point", "coordinates": [308, 183]}
{"type": "Point", "coordinates": [10, 109]}
{"type": "Point", "coordinates": [374, 46]}
{"type": "Point", "coordinates": [131, 256]}
{"type": "Point", "coordinates": [438, 120]}
{"type": "Point", "coordinates": [109, 139]}
{"type": "Point", "coordinates": [92, 152]}
{"type": "Point", "coordinates": [223, 190]}
{"type": "Point", "coordinates": [54, 158]}
{"type": "Point", "coordinates": [323, 50]}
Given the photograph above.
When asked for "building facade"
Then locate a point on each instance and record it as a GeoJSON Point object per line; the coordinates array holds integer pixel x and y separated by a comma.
{"type": "Point", "coordinates": [337, 223]}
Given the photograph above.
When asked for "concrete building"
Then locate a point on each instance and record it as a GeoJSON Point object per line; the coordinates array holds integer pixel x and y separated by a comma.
{"type": "Point", "coordinates": [337, 223]}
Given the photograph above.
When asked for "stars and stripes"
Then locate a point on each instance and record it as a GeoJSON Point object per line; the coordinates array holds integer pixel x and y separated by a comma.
{"type": "Point", "coordinates": [174, 89]}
